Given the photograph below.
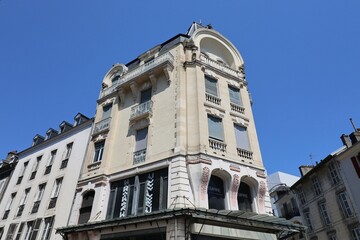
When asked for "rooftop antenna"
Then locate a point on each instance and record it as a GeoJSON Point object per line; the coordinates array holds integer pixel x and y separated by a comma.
{"type": "Point", "coordinates": [352, 123]}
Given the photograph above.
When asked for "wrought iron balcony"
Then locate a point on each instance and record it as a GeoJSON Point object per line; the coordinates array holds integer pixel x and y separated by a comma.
{"type": "Point", "coordinates": [237, 108]}
{"type": "Point", "coordinates": [20, 210]}
{"type": "Point", "coordinates": [35, 207]}
{"type": "Point", "coordinates": [139, 156]}
{"type": "Point", "coordinates": [64, 163]}
{"type": "Point", "coordinates": [143, 109]}
{"type": "Point", "coordinates": [101, 126]}
{"type": "Point", "coordinates": [47, 169]}
{"type": "Point", "coordinates": [217, 145]}
{"type": "Point", "coordinates": [244, 153]}
{"type": "Point", "coordinates": [214, 64]}
{"type": "Point", "coordinates": [162, 59]}
{"type": "Point", "coordinates": [52, 202]}
{"type": "Point", "coordinates": [212, 99]}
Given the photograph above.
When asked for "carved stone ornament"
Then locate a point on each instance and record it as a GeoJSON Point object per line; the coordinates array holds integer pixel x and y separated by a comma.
{"type": "Point", "coordinates": [234, 189]}
{"type": "Point", "coordinates": [108, 102]}
{"type": "Point", "coordinates": [204, 183]}
{"type": "Point", "coordinates": [153, 80]}
{"type": "Point", "coordinates": [261, 196]}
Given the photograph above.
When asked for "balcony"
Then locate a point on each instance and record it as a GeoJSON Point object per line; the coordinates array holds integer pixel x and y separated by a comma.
{"type": "Point", "coordinates": [35, 207]}
{"type": "Point", "coordinates": [52, 202]}
{"type": "Point", "coordinates": [102, 126]}
{"type": "Point", "coordinates": [165, 58]}
{"type": "Point", "coordinates": [141, 110]}
{"type": "Point", "coordinates": [245, 153]}
{"type": "Point", "coordinates": [20, 210]}
{"type": "Point", "coordinates": [237, 108]}
{"type": "Point", "coordinates": [47, 169]}
{"type": "Point", "coordinates": [212, 99]}
{"type": "Point", "coordinates": [217, 145]}
{"type": "Point", "coordinates": [218, 66]}
{"type": "Point", "coordinates": [139, 156]}
{"type": "Point", "coordinates": [64, 163]}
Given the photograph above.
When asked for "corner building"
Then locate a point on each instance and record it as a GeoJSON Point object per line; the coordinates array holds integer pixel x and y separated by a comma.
{"type": "Point", "coordinates": [174, 152]}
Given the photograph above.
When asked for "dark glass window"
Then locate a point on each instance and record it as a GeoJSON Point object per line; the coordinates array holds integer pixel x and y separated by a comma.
{"type": "Point", "coordinates": [211, 86]}
{"type": "Point", "coordinates": [145, 95]}
{"type": "Point", "coordinates": [86, 207]}
{"type": "Point", "coordinates": [216, 193]}
{"type": "Point", "coordinates": [244, 197]}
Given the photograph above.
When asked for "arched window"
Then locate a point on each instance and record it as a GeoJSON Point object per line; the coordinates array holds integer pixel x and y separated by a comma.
{"type": "Point", "coordinates": [86, 207]}
{"type": "Point", "coordinates": [216, 193]}
{"type": "Point", "coordinates": [244, 197]}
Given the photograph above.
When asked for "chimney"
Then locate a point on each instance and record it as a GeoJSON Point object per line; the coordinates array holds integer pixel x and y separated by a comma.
{"type": "Point", "coordinates": [305, 169]}
{"type": "Point", "coordinates": [12, 155]}
{"type": "Point", "coordinates": [345, 140]}
{"type": "Point", "coordinates": [355, 137]}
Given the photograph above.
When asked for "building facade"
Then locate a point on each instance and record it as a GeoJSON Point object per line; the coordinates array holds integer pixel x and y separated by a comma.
{"type": "Point", "coordinates": [328, 193]}
{"type": "Point", "coordinates": [40, 192]}
{"type": "Point", "coordinates": [174, 152]}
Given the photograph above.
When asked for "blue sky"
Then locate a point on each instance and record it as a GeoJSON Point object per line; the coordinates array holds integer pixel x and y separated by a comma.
{"type": "Point", "coordinates": [301, 58]}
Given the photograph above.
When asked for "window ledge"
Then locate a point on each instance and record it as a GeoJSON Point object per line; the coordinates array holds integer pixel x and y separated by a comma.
{"type": "Point", "coordinates": [94, 166]}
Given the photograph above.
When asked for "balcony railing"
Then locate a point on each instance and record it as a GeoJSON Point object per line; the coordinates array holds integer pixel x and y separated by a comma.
{"type": "Point", "coordinates": [212, 99]}
{"type": "Point", "coordinates": [20, 210]}
{"type": "Point", "coordinates": [47, 169]}
{"type": "Point", "coordinates": [221, 67]}
{"type": "Point", "coordinates": [141, 110]}
{"type": "Point", "coordinates": [217, 145]}
{"type": "Point", "coordinates": [6, 214]}
{"type": "Point", "coordinates": [52, 202]}
{"type": "Point", "coordinates": [101, 126]}
{"type": "Point", "coordinates": [245, 153]}
{"type": "Point", "coordinates": [35, 207]}
{"type": "Point", "coordinates": [237, 108]}
{"type": "Point", "coordinates": [164, 58]}
{"type": "Point", "coordinates": [139, 156]}
{"type": "Point", "coordinates": [64, 163]}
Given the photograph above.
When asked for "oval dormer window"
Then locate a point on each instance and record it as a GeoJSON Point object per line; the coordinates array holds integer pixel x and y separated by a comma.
{"type": "Point", "coordinates": [115, 79]}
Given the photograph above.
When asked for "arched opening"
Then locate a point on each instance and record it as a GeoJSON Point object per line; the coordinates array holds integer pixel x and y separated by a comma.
{"type": "Point", "coordinates": [244, 197]}
{"type": "Point", "coordinates": [86, 207]}
{"type": "Point", "coordinates": [216, 193]}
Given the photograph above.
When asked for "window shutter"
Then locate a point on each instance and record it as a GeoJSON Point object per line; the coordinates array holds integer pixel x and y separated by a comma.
{"type": "Point", "coordinates": [106, 111]}
{"type": "Point", "coordinates": [141, 139]}
{"type": "Point", "coordinates": [211, 86]}
{"type": "Point", "coordinates": [242, 140]}
{"type": "Point", "coordinates": [215, 128]}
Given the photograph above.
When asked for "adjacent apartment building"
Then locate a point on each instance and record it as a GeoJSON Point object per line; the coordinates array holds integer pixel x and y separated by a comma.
{"type": "Point", "coordinates": [328, 193]}
{"type": "Point", "coordinates": [39, 195]}
{"type": "Point", "coordinates": [174, 152]}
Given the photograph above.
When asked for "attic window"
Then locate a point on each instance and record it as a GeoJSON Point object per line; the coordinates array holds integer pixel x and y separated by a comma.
{"type": "Point", "coordinates": [115, 78]}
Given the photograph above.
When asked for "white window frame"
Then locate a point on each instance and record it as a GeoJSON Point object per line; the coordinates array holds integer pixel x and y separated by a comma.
{"type": "Point", "coordinates": [345, 204]}
{"type": "Point", "coordinates": [316, 186]}
{"type": "Point", "coordinates": [324, 213]}
{"type": "Point", "coordinates": [334, 173]}
{"type": "Point", "coordinates": [69, 147]}
{"type": "Point", "coordinates": [98, 156]}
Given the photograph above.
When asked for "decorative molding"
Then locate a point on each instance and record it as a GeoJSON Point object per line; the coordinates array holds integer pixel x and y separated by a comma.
{"type": "Point", "coordinates": [134, 90]}
{"type": "Point", "coordinates": [204, 183]}
{"type": "Point", "coordinates": [215, 111]}
{"type": "Point", "coordinates": [100, 137]}
{"type": "Point", "coordinates": [234, 189]}
{"type": "Point", "coordinates": [108, 102]}
{"type": "Point", "coordinates": [260, 174]}
{"type": "Point", "coordinates": [199, 160]}
{"type": "Point", "coordinates": [235, 168]}
{"type": "Point", "coordinates": [167, 70]}
{"type": "Point", "coordinates": [153, 80]}
{"type": "Point", "coordinates": [121, 93]}
{"type": "Point", "coordinates": [261, 196]}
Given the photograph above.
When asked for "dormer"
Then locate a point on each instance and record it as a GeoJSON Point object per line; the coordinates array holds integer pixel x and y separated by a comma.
{"type": "Point", "coordinates": [51, 133]}
{"type": "Point", "coordinates": [79, 119]}
{"type": "Point", "coordinates": [37, 139]}
{"type": "Point", "coordinates": [65, 126]}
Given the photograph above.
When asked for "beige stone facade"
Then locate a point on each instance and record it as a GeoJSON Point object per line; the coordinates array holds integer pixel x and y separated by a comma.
{"type": "Point", "coordinates": [173, 130]}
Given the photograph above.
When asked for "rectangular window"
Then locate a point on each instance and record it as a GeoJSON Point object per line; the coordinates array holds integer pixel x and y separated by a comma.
{"type": "Point", "coordinates": [35, 167]}
{"type": "Point", "coordinates": [145, 95]}
{"type": "Point", "coordinates": [324, 213]}
{"type": "Point", "coordinates": [316, 186]}
{"type": "Point", "coordinates": [49, 222]}
{"type": "Point", "coordinates": [356, 164]}
{"type": "Point", "coordinates": [355, 232]}
{"type": "Point", "coordinates": [215, 128]}
{"type": "Point", "coordinates": [52, 157]}
{"type": "Point", "coordinates": [332, 236]}
{"type": "Point", "coordinates": [99, 149]}
{"type": "Point", "coordinates": [106, 111]}
{"type": "Point", "coordinates": [308, 220]}
{"type": "Point", "coordinates": [141, 139]}
{"type": "Point", "coordinates": [11, 232]}
{"type": "Point", "coordinates": [20, 231]}
{"type": "Point", "coordinates": [68, 150]}
{"type": "Point", "coordinates": [138, 195]}
{"type": "Point", "coordinates": [242, 138]}
{"type": "Point", "coordinates": [22, 202]}
{"type": "Point", "coordinates": [234, 94]}
{"type": "Point", "coordinates": [38, 198]}
{"type": "Point", "coordinates": [334, 173]}
{"type": "Point", "coordinates": [22, 172]}
{"type": "Point", "coordinates": [345, 205]}
{"type": "Point", "coordinates": [55, 192]}
{"type": "Point", "coordinates": [8, 205]}
{"type": "Point", "coordinates": [211, 86]}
